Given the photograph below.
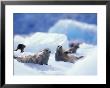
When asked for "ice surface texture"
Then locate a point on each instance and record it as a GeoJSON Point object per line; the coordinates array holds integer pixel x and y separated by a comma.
{"type": "Point", "coordinates": [85, 66]}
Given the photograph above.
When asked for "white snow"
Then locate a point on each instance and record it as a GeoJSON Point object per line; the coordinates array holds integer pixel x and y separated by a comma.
{"type": "Point", "coordinates": [85, 66]}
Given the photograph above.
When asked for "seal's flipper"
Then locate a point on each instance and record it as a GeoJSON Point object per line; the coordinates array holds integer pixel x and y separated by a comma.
{"type": "Point", "coordinates": [80, 57]}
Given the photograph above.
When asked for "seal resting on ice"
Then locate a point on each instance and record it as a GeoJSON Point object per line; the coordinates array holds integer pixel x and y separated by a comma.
{"type": "Point", "coordinates": [41, 57]}
{"type": "Point", "coordinates": [73, 48]}
{"type": "Point", "coordinates": [60, 55]}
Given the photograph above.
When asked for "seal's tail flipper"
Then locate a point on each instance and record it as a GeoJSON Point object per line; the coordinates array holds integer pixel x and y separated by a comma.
{"type": "Point", "coordinates": [80, 57]}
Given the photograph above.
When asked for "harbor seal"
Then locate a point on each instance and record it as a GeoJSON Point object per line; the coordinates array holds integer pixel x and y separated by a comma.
{"type": "Point", "coordinates": [41, 57]}
{"type": "Point", "coordinates": [60, 55]}
{"type": "Point", "coordinates": [73, 48]}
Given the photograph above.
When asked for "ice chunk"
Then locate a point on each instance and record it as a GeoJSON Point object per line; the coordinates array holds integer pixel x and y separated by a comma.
{"type": "Point", "coordinates": [39, 41]}
{"type": "Point", "coordinates": [76, 30]}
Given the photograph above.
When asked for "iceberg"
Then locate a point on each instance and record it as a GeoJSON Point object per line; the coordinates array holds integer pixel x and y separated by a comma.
{"type": "Point", "coordinates": [76, 30]}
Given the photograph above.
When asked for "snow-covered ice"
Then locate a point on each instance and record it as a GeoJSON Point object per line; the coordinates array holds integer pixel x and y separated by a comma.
{"type": "Point", "coordinates": [85, 66]}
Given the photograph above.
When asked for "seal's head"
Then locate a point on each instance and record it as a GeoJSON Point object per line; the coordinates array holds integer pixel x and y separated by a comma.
{"type": "Point", "coordinates": [47, 50]}
{"type": "Point", "coordinates": [59, 50]}
{"type": "Point", "coordinates": [75, 45]}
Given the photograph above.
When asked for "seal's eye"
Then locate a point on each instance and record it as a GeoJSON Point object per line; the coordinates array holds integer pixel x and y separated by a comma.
{"type": "Point", "coordinates": [59, 46]}
{"type": "Point", "coordinates": [49, 51]}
